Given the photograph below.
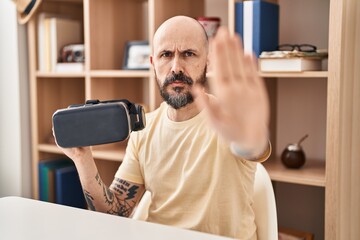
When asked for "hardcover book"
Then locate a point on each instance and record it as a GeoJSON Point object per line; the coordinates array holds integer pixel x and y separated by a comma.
{"type": "Point", "coordinates": [289, 64]}
{"type": "Point", "coordinates": [46, 177]}
{"type": "Point", "coordinates": [68, 187]}
{"type": "Point", "coordinates": [257, 22]}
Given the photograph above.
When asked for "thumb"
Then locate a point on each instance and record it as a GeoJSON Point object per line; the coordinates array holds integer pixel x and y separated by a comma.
{"type": "Point", "coordinates": [199, 95]}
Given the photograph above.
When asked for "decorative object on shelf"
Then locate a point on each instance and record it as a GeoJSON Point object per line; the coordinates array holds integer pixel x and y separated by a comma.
{"type": "Point", "coordinates": [71, 59]}
{"type": "Point", "coordinates": [73, 53]}
{"type": "Point", "coordinates": [137, 55]}
{"type": "Point", "coordinates": [293, 155]}
{"type": "Point", "coordinates": [294, 234]}
{"type": "Point", "coordinates": [210, 24]}
{"type": "Point", "coordinates": [25, 9]}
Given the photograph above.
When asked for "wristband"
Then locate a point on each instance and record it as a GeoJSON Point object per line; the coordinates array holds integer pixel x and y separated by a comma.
{"type": "Point", "coordinates": [247, 153]}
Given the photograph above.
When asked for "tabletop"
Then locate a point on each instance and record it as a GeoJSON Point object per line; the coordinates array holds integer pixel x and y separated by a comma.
{"type": "Point", "coordinates": [23, 218]}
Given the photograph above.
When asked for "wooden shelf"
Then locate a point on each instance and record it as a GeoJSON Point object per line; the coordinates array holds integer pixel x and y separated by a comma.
{"type": "Point", "coordinates": [312, 173]}
{"type": "Point", "coordinates": [308, 74]}
{"type": "Point", "coordinates": [60, 75]}
{"type": "Point", "coordinates": [120, 73]}
{"type": "Point", "coordinates": [105, 154]}
{"type": "Point", "coordinates": [103, 27]}
{"type": "Point", "coordinates": [97, 73]}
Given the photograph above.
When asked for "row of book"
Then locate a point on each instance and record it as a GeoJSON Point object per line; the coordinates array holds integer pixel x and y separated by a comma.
{"type": "Point", "coordinates": [59, 183]}
{"type": "Point", "coordinates": [54, 32]}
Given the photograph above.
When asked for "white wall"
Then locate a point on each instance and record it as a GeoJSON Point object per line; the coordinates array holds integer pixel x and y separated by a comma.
{"type": "Point", "coordinates": [15, 163]}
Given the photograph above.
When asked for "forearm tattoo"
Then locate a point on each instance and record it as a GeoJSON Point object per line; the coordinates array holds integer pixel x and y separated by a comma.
{"type": "Point", "coordinates": [128, 193]}
{"type": "Point", "coordinates": [89, 200]}
{"type": "Point", "coordinates": [120, 204]}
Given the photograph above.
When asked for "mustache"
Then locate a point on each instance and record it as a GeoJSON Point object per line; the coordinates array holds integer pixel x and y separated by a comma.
{"type": "Point", "coordinates": [178, 77]}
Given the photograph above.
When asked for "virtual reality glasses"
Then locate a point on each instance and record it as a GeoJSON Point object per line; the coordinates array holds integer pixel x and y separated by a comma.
{"type": "Point", "coordinates": [97, 122]}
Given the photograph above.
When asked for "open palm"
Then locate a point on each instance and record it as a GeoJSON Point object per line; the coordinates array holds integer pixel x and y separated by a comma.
{"type": "Point", "coordinates": [241, 112]}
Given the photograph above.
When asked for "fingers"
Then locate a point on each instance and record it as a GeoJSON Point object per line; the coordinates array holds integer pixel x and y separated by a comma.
{"type": "Point", "coordinates": [230, 62]}
{"type": "Point", "coordinates": [220, 59]}
{"type": "Point", "coordinates": [53, 133]}
{"type": "Point", "coordinates": [202, 102]}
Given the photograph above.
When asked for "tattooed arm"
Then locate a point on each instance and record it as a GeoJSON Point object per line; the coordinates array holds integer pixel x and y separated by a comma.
{"type": "Point", "coordinates": [120, 199]}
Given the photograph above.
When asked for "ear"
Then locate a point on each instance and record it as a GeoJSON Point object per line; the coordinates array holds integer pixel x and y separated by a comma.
{"type": "Point", "coordinates": [208, 62]}
{"type": "Point", "coordinates": [151, 60]}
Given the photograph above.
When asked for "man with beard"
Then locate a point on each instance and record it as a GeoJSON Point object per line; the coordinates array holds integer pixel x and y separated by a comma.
{"type": "Point", "coordinates": [197, 155]}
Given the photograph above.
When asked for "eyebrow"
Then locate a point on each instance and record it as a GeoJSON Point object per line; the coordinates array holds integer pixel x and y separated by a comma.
{"type": "Point", "coordinates": [186, 50]}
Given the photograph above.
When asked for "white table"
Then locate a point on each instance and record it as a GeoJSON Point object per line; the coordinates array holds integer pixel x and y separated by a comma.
{"type": "Point", "coordinates": [22, 218]}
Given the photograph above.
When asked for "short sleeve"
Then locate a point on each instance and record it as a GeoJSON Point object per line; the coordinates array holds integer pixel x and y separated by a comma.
{"type": "Point", "coordinates": [130, 169]}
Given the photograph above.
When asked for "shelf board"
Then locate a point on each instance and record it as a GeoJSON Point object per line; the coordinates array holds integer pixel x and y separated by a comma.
{"type": "Point", "coordinates": [60, 75]}
{"type": "Point", "coordinates": [146, 73]}
{"type": "Point", "coordinates": [306, 74]}
{"type": "Point", "coordinates": [120, 73]}
{"type": "Point", "coordinates": [312, 173]}
{"type": "Point", "coordinates": [105, 154]}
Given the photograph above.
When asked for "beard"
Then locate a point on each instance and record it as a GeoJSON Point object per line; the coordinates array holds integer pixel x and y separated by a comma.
{"type": "Point", "coordinates": [179, 96]}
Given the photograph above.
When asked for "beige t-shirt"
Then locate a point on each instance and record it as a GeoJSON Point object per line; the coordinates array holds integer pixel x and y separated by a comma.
{"type": "Point", "coordinates": [194, 179]}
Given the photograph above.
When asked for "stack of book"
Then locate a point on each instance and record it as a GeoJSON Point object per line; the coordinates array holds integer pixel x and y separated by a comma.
{"type": "Point", "coordinates": [55, 32]}
{"type": "Point", "coordinates": [59, 183]}
{"type": "Point", "coordinates": [291, 61]}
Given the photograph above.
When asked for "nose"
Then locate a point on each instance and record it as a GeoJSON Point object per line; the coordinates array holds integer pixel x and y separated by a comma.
{"type": "Point", "coordinates": [177, 65]}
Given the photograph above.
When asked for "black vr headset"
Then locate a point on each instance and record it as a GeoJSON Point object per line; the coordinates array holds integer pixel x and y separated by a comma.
{"type": "Point", "coordinates": [97, 122]}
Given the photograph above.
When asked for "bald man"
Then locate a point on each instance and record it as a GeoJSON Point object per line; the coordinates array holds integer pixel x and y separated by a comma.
{"type": "Point", "coordinates": [197, 155]}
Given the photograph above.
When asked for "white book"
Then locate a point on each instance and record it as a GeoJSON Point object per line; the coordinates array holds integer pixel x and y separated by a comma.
{"type": "Point", "coordinates": [69, 67]}
{"type": "Point", "coordinates": [248, 26]}
{"type": "Point", "coordinates": [42, 34]}
{"type": "Point", "coordinates": [289, 64]}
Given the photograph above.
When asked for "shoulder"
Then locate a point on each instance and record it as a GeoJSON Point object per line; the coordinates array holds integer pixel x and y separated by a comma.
{"type": "Point", "coordinates": [151, 119]}
{"type": "Point", "coordinates": [153, 116]}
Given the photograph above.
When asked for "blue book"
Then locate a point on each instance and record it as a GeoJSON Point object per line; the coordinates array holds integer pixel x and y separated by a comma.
{"type": "Point", "coordinates": [68, 187]}
{"type": "Point", "coordinates": [46, 177]}
{"type": "Point", "coordinates": [257, 22]}
{"type": "Point", "coordinates": [239, 16]}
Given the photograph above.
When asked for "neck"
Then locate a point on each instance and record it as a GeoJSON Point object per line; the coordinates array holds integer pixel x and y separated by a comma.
{"type": "Point", "coordinates": [184, 113]}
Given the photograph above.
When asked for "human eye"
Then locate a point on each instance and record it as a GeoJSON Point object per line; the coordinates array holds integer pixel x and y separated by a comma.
{"type": "Point", "coordinates": [189, 53]}
{"type": "Point", "coordinates": [165, 54]}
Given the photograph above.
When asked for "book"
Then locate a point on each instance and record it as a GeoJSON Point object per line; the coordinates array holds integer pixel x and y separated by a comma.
{"type": "Point", "coordinates": [70, 67]}
{"type": "Point", "coordinates": [47, 177]}
{"type": "Point", "coordinates": [47, 45]}
{"type": "Point", "coordinates": [257, 22]}
{"type": "Point", "coordinates": [43, 43]}
{"type": "Point", "coordinates": [289, 64]}
{"type": "Point", "coordinates": [68, 187]}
